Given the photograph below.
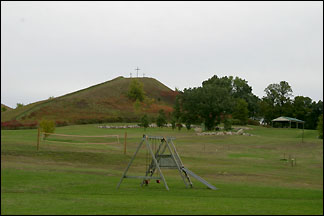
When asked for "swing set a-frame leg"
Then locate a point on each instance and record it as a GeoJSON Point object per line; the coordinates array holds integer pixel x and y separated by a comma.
{"type": "Point", "coordinates": [131, 161]}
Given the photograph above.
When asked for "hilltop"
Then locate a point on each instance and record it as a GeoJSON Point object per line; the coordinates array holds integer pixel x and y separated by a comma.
{"type": "Point", "coordinates": [104, 102]}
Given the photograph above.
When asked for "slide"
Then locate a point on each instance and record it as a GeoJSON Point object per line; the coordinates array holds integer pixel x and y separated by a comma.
{"type": "Point", "coordinates": [199, 178]}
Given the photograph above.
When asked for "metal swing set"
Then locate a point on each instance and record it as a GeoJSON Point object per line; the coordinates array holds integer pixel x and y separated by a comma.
{"type": "Point", "coordinates": [166, 156]}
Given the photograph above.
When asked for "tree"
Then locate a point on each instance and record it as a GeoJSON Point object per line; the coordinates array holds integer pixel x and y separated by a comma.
{"type": "Point", "coordinates": [145, 122]}
{"type": "Point", "coordinates": [206, 103]}
{"type": "Point", "coordinates": [161, 119]}
{"type": "Point", "coordinates": [136, 91]}
{"type": "Point", "coordinates": [278, 95]}
{"type": "Point", "coordinates": [47, 126]}
{"type": "Point", "coordinates": [320, 126]}
{"type": "Point", "coordinates": [19, 105]}
{"type": "Point", "coordinates": [316, 111]}
{"type": "Point", "coordinates": [241, 111]}
{"type": "Point", "coordinates": [277, 101]}
{"type": "Point", "coordinates": [3, 109]}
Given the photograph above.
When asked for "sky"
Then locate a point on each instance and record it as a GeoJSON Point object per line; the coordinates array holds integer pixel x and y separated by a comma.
{"type": "Point", "coordinates": [55, 48]}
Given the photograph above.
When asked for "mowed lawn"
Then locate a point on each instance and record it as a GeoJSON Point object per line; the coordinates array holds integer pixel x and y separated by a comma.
{"type": "Point", "coordinates": [66, 178]}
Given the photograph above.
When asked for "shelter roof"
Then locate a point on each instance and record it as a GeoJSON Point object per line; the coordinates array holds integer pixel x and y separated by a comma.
{"type": "Point", "coordinates": [288, 119]}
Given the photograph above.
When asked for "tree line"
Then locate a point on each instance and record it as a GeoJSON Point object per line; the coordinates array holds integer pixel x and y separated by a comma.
{"type": "Point", "coordinates": [224, 99]}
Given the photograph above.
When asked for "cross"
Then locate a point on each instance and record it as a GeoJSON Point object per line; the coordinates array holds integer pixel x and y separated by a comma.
{"type": "Point", "coordinates": [137, 71]}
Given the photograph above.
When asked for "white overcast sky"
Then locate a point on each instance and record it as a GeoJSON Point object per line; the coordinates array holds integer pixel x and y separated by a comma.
{"type": "Point", "coordinates": [54, 48]}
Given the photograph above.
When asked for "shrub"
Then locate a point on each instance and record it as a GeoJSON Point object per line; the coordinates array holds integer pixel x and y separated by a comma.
{"type": "Point", "coordinates": [47, 126]}
{"type": "Point", "coordinates": [236, 122]}
{"type": "Point", "coordinates": [15, 125]}
{"type": "Point", "coordinates": [188, 125]}
{"type": "Point", "coordinates": [60, 123]}
{"type": "Point", "coordinates": [253, 122]}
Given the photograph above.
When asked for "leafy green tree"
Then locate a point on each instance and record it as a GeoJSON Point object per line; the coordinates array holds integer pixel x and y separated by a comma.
{"type": "Point", "coordinates": [47, 126]}
{"type": "Point", "coordinates": [279, 96]}
{"type": "Point", "coordinates": [277, 101]}
{"type": "Point", "coordinates": [145, 122]}
{"type": "Point", "coordinates": [19, 105]}
{"type": "Point", "coordinates": [320, 126]}
{"type": "Point", "coordinates": [241, 111]}
{"type": "Point", "coordinates": [136, 91]}
{"type": "Point", "coordinates": [206, 103]}
{"type": "Point", "coordinates": [312, 117]}
{"type": "Point", "coordinates": [161, 119]}
{"type": "Point", "coordinates": [3, 109]}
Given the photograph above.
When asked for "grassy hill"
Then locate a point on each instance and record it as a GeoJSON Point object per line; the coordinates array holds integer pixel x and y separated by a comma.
{"type": "Point", "coordinates": [105, 102]}
{"type": "Point", "coordinates": [5, 108]}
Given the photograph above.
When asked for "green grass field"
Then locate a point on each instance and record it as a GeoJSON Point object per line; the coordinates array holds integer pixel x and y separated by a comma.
{"type": "Point", "coordinates": [63, 178]}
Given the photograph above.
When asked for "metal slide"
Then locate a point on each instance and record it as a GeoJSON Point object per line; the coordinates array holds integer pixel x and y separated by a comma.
{"type": "Point", "coordinates": [199, 178]}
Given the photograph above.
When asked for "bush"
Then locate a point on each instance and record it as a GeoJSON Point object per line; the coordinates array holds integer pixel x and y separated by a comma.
{"type": "Point", "coordinates": [236, 122]}
{"type": "Point", "coordinates": [15, 125]}
{"type": "Point", "coordinates": [320, 126]}
{"type": "Point", "coordinates": [47, 126]}
{"type": "Point", "coordinates": [188, 125]}
{"type": "Point", "coordinates": [253, 122]}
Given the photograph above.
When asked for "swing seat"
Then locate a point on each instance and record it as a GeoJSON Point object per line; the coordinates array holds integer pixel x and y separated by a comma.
{"type": "Point", "coordinates": [158, 181]}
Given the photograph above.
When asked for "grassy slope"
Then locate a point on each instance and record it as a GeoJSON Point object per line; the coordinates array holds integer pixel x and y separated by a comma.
{"type": "Point", "coordinates": [105, 100]}
{"type": "Point", "coordinates": [82, 179]}
{"type": "Point", "coordinates": [8, 108]}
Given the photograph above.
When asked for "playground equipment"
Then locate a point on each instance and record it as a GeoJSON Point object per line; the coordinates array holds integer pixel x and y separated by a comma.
{"type": "Point", "coordinates": [164, 155]}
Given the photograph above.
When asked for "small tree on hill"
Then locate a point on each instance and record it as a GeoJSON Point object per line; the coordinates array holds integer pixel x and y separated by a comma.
{"type": "Point", "coordinates": [320, 126]}
{"type": "Point", "coordinates": [47, 126]}
{"type": "Point", "coordinates": [19, 105]}
{"type": "Point", "coordinates": [161, 119]}
{"type": "Point", "coordinates": [136, 91]}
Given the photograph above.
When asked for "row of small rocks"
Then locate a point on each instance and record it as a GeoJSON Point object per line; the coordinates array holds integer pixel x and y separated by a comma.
{"type": "Point", "coordinates": [129, 126]}
{"type": "Point", "coordinates": [239, 132]}
{"type": "Point", "coordinates": [153, 125]}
